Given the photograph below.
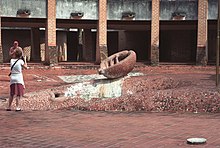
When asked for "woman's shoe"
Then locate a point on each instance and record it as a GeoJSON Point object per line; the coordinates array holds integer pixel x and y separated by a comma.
{"type": "Point", "coordinates": [8, 109]}
{"type": "Point", "coordinates": [18, 109]}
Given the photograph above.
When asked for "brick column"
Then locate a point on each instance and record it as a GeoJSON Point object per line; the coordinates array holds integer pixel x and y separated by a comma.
{"type": "Point", "coordinates": [51, 53]}
{"type": "Point", "coordinates": [155, 28]}
{"type": "Point", "coordinates": [202, 53]}
{"type": "Point", "coordinates": [101, 46]}
{"type": "Point", "coordinates": [1, 52]}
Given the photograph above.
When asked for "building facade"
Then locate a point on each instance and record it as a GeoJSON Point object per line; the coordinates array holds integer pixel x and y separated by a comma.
{"type": "Point", "coordinates": [54, 31]}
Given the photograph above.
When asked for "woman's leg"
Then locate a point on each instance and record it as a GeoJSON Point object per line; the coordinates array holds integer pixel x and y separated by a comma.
{"type": "Point", "coordinates": [17, 103]}
{"type": "Point", "coordinates": [10, 102]}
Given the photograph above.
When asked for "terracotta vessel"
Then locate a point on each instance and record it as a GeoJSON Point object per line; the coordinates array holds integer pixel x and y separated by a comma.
{"type": "Point", "coordinates": [118, 64]}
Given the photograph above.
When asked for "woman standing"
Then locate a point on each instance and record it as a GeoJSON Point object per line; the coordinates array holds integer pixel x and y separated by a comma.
{"type": "Point", "coordinates": [16, 78]}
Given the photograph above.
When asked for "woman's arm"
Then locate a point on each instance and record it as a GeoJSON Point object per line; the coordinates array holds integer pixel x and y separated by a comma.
{"type": "Point", "coordinates": [11, 52]}
{"type": "Point", "coordinates": [25, 63]}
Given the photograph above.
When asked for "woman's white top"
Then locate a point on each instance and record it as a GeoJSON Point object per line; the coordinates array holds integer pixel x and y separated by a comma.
{"type": "Point", "coordinates": [16, 72]}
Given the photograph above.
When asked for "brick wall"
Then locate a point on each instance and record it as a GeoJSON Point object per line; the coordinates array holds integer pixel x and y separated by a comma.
{"type": "Point", "coordinates": [101, 50]}
{"type": "Point", "coordinates": [155, 24]}
{"type": "Point", "coordinates": [202, 56]}
{"type": "Point", "coordinates": [51, 49]}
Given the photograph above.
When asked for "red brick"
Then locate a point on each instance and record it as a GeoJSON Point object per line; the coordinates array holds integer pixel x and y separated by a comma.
{"type": "Point", "coordinates": [101, 50]}
{"type": "Point", "coordinates": [155, 24]}
{"type": "Point", "coordinates": [51, 52]}
{"type": "Point", "coordinates": [202, 57]}
{"type": "Point", "coordinates": [98, 129]}
{"type": "Point", "coordinates": [202, 22]}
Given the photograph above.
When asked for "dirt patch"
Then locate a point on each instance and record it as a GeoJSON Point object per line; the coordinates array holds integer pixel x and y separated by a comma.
{"type": "Point", "coordinates": [162, 88]}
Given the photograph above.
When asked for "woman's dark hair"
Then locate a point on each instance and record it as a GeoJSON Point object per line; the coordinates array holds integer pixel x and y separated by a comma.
{"type": "Point", "coordinates": [18, 53]}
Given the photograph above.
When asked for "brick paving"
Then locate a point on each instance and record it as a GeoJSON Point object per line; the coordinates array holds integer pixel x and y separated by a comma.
{"type": "Point", "coordinates": [71, 128]}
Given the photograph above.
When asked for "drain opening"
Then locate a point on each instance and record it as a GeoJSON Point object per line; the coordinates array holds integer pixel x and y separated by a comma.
{"type": "Point", "coordinates": [57, 95]}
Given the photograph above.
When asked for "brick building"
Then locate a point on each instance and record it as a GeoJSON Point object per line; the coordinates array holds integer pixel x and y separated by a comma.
{"type": "Point", "coordinates": [54, 31]}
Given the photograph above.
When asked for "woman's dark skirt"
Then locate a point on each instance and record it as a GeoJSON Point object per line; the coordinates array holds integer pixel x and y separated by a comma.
{"type": "Point", "coordinates": [16, 89]}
